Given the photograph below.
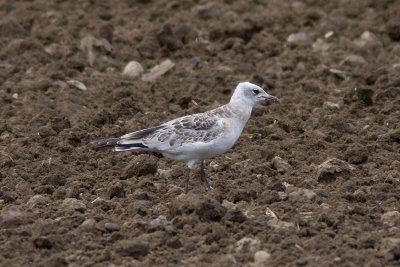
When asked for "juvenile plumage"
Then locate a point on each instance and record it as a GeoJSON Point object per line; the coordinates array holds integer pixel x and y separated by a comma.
{"type": "Point", "coordinates": [196, 137]}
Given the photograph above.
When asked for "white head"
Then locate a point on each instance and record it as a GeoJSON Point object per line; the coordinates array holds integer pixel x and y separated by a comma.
{"type": "Point", "coordinates": [249, 94]}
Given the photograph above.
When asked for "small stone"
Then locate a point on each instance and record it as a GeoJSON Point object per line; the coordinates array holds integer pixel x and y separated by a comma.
{"type": "Point", "coordinates": [247, 244]}
{"type": "Point", "coordinates": [158, 71]}
{"type": "Point", "coordinates": [281, 225]}
{"type": "Point", "coordinates": [73, 204]}
{"type": "Point", "coordinates": [391, 218]}
{"type": "Point", "coordinates": [338, 73]}
{"type": "Point", "coordinates": [320, 45]}
{"type": "Point", "coordinates": [261, 258]}
{"type": "Point", "coordinates": [297, 37]}
{"type": "Point", "coordinates": [329, 34]}
{"type": "Point", "coordinates": [353, 61]}
{"type": "Point", "coordinates": [112, 227]}
{"type": "Point", "coordinates": [15, 95]}
{"type": "Point", "coordinates": [77, 84]}
{"type": "Point", "coordinates": [332, 168]}
{"type": "Point", "coordinates": [160, 220]}
{"type": "Point", "coordinates": [390, 248]}
{"type": "Point", "coordinates": [88, 224]}
{"type": "Point", "coordinates": [133, 248]}
{"type": "Point", "coordinates": [270, 214]}
{"type": "Point", "coordinates": [332, 105]}
{"type": "Point", "coordinates": [133, 70]}
{"type": "Point", "coordinates": [301, 194]}
{"type": "Point", "coordinates": [280, 165]}
{"type": "Point", "coordinates": [367, 39]}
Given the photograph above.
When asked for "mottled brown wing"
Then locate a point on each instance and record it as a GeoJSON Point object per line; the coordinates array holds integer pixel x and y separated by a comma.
{"type": "Point", "coordinates": [189, 129]}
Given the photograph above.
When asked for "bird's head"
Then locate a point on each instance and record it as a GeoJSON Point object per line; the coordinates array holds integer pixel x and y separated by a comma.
{"type": "Point", "coordinates": [250, 94]}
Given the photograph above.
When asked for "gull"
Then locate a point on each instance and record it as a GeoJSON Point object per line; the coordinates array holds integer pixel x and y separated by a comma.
{"type": "Point", "coordinates": [197, 137]}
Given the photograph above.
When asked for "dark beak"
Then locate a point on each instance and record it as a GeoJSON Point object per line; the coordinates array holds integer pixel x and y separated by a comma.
{"type": "Point", "coordinates": [271, 98]}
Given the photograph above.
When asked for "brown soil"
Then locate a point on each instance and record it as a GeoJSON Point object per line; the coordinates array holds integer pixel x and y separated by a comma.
{"type": "Point", "coordinates": [65, 204]}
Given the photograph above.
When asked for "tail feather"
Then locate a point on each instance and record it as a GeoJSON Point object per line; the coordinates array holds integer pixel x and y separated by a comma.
{"type": "Point", "coordinates": [106, 142]}
{"type": "Point", "coordinates": [119, 144]}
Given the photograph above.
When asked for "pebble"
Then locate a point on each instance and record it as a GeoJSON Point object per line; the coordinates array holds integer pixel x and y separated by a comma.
{"type": "Point", "coordinates": [301, 194]}
{"type": "Point", "coordinates": [367, 39]}
{"type": "Point", "coordinates": [332, 168]}
{"type": "Point", "coordinates": [329, 34]}
{"type": "Point", "coordinates": [332, 105]}
{"type": "Point", "coordinates": [281, 225]}
{"type": "Point", "coordinates": [320, 45]}
{"type": "Point", "coordinates": [280, 165]}
{"type": "Point", "coordinates": [297, 37]}
{"type": "Point", "coordinates": [15, 95]}
{"type": "Point", "coordinates": [270, 214]}
{"type": "Point", "coordinates": [247, 244]}
{"type": "Point", "coordinates": [158, 71]}
{"type": "Point", "coordinates": [338, 73]}
{"type": "Point", "coordinates": [77, 84]}
{"type": "Point", "coordinates": [112, 227]}
{"type": "Point", "coordinates": [353, 61]}
{"type": "Point", "coordinates": [73, 204]}
{"type": "Point", "coordinates": [160, 220]}
{"type": "Point", "coordinates": [261, 257]}
{"type": "Point", "coordinates": [88, 224]}
{"type": "Point", "coordinates": [133, 69]}
{"type": "Point", "coordinates": [391, 218]}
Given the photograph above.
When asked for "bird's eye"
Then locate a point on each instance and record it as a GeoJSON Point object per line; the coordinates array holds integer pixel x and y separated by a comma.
{"type": "Point", "coordinates": [256, 91]}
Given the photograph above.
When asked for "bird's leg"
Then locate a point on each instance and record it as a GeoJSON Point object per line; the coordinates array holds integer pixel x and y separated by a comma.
{"type": "Point", "coordinates": [203, 176]}
{"type": "Point", "coordinates": [187, 177]}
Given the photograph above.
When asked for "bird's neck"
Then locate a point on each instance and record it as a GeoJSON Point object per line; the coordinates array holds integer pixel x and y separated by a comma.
{"type": "Point", "coordinates": [241, 109]}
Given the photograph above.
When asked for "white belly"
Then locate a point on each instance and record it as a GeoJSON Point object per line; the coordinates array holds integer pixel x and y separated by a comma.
{"type": "Point", "coordinates": [202, 151]}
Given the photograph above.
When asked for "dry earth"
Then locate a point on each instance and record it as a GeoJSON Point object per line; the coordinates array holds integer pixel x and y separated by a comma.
{"type": "Point", "coordinates": [314, 181]}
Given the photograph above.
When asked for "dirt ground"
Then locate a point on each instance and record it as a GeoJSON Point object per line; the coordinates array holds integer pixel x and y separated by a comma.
{"type": "Point", "coordinates": [313, 181]}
